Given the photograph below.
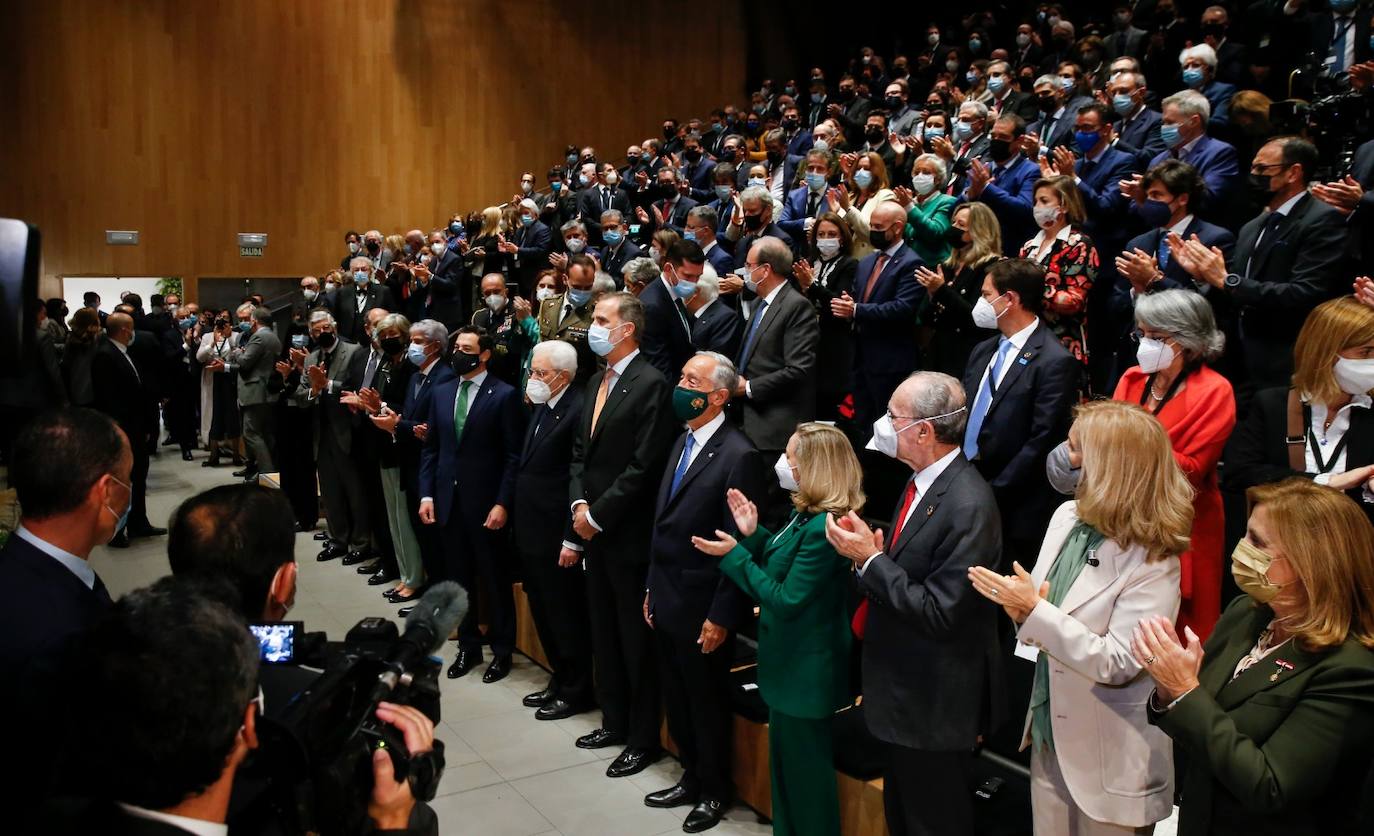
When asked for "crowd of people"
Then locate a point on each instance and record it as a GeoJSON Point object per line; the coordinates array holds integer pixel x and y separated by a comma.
{"type": "Point", "coordinates": [1043, 319]}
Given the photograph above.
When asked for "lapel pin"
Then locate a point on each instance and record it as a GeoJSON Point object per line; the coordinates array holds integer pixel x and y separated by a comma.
{"type": "Point", "coordinates": [1023, 361]}
{"type": "Point", "coordinates": [930, 510]}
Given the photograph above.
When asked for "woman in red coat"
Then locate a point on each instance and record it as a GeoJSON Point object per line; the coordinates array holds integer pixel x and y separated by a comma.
{"type": "Point", "coordinates": [1178, 336]}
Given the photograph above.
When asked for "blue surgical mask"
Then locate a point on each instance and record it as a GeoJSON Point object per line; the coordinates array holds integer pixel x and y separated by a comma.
{"type": "Point", "coordinates": [557, 186]}
{"type": "Point", "coordinates": [526, 220]}
{"type": "Point", "coordinates": [579, 297]}
{"type": "Point", "coordinates": [1067, 84]}
{"type": "Point", "coordinates": [1123, 103]}
{"type": "Point", "coordinates": [415, 353]}
{"type": "Point", "coordinates": [962, 130]}
{"type": "Point", "coordinates": [934, 133]}
{"type": "Point", "coordinates": [360, 277]}
{"type": "Point", "coordinates": [971, 77]}
{"type": "Point", "coordinates": [1342, 6]}
{"type": "Point", "coordinates": [723, 192]}
{"type": "Point", "coordinates": [1085, 140]}
{"type": "Point", "coordinates": [815, 181]}
{"type": "Point", "coordinates": [599, 340]}
{"type": "Point", "coordinates": [997, 83]}
{"type": "Point", "coordinates": [455, 228]}
{"type": "Point", "coordinates": [817, 98]}
{"type": "Point", "coordinates": [689, 235]}
{"type": "Point", "coordinates": [684, 289]}
{"type": "Point", "coordinates": [1170, 135]}
{"type": "Point", "coordinates": [584, 180]}
{"type": "Point", "coordinates": [974, 45]}
{"type": "Point", "coordinates": [244, 327]}
{"type": "Point", "coordinates": [757, 181]}
{"type": "Point", "coordinates": [187, 323]}
{"type": "Point", "coordinates": [863, 178]}
{"type": "Point", "coordinates": [122, 519]}
{"type": "Point", "coordinates": [612, 236]}
{"type": "Point", "coordinates": [1193, 77]}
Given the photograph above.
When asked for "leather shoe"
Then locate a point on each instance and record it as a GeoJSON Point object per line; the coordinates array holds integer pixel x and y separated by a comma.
{"type": "Point", "coordinates": [186, 456]}
{"type": "Point", "coordinates": [632, 761]}
{"type": "Point", "coordinates": [404, 611]}
{"type": "Point", "coordinates": [321, 535]}
{"type": "Point", "coordinates": [599, 739]}
{"type": "Point", "coordinates": [704, 816]}
{"type": "Point", "coordinates": [246, 473]}
{"type": "Point", "coordinates": [368, 568]}
{"type": "Point", "coordinates": [675, 796]}
{"type": "Point", "coordinates": [466, 661]}
{"type": "Point", "coordinates": [559, 710]}
{"type": "Point", "coordinates": [147, 531]}
{"type": "Point", "coordinates": [332, 551]}
{"type": "Point", "coordinates": [356, 556]}
{"type": "Point", "coordinates": [539, 699]}
{"type": "Point", "coordinates": [497, 670]}
{"type": "Point", "coordinates": [120, 540]}
{"type": "Point", "coordinates": [382, 577]}
{"type": "Point", "coordinates": [393, 597]}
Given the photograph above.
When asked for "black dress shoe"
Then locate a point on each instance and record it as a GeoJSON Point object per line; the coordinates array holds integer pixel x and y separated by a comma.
{"type": "Point", "coordinates": [704, 816]}
{"type": "Point", "coordinates": [539, 699]}
{"type": "Point", "coordinates": [497, 670]}
{"type": "Point", "coordinates": [246, 473]}
{"type": "Point", "coordinates": [382, 577]}
{"type": "Point", "coordinates": [213, 461]}
{"type": "Point", "coordinates": [391, 596]}
{"type": "Point", "coordinates": [368, 568]}
{"type": "Point", "coordinates": [633, 761]}
{"type": "Point", "coordinates": [332, 551]}
{"type": "Point", "coordinates": [599, 739]}
{"type": "Point", "coordinates": [147, 531]}
{"type": "Point", "coordinates": [120, 541]}
{"type": "Point", "coordinates": [404, 611]}
{"type": "Point", "coordinates": [186, 456]}
{"type": "Point", "coordinates": [356, 556]}
{"type": "Point", "coordinates": [559, 710]}
{"type": "Point", "coordinates": [466, 661]}
{"type": "Point", "coordinates": [321, 535]}
{"type": "Point", "coordinates": [675, 796]}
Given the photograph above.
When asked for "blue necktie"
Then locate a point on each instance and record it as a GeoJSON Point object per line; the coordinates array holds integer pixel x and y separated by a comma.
{"type": "Point", "coordinates": [1162, 254]}
{"type": "Point", "coordinates": [984, 400]}
{"type": "Point", "coordinates": [753, 331]}
{"type": "Point", "coordinates": [1339, 45]}
{"type": "Point", "coordinates": [682, 464]}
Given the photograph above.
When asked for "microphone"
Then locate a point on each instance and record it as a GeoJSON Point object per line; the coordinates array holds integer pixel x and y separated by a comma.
{"type": "Point", "coordinates": [438, 611]}
{"type": "Point", "coordinates": [1092, 559]}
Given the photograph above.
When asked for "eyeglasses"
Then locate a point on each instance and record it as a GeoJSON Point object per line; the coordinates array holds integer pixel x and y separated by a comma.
{"type": "Point", "coordinates": [1258, 168]}
{"type": "Point", "coordinates": [1137, 335]}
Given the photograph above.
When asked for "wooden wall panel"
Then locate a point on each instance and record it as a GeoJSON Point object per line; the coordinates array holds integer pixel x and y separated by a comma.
{"type": "Point", "coordinates": [193, 121]}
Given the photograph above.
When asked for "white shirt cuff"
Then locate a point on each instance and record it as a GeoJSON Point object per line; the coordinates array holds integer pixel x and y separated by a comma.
{"type": "Point", "coordinates": [864, 565]}
{"type": "Point", "coordinates": [571, 546]}
{"type": "Point", "coordinates": [591, 521]}
{"type": "Point", "coordinates": [748, 390]}
{"type": "Point", "coordinates": [1322, 478]}
{"type": "Point", "coordinates": [426, 499]}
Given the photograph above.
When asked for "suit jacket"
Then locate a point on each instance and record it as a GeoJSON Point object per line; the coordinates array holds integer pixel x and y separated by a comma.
{"type": "Point", "coordinates": [925, 616]}
{"type": "Point", "coordinates": [345, 365]}
{"type": "Point", "coordinates": [1028, 416]}
{"type": "Point", "coordinates": [771, 231]}
{"type": "Point", "coordinates": [685, 586]}
{"type": "Point", "coordinates": [446, 297]}
{"type": "Point", "coordinates": [1281, 749]}
{"type": "Point", "coordinates": [1128, 42]}
{"type": "Point", "coordinates": [1140, 136]}
{"type": "Point", "coordinates": [614, 261]}
{"type": "Point", "coordinates": [1218, 95]}
{"type": "Point", "coordinates": [722, 260]}
{"type": "Point", "coordinates": [884, 335]}
{"type": "Point", "coordinates": [1010, 195]}
{"type": "Point", "coordinates": [120, 390]}
{"type": "Point", "coordinates": [1175, 277]}
{"type": "Point", "coordinates": [534, 243]}
{"type": "Point", "coordinates": [699, 176]}
{"type": "Point", "coordinates": [1061, 132]}
{"type": "Point", "coordinates": [1361, 221]}
{"type": "Point", "coordinates": [45, 607]}
{"type": "Point", "coordinates": [676, 218]}
{"type": "Point", "coordinates": [615, 468]}
{"type": "Point", "coordinates": [541, 481]}
{"type": "Point", "coordinates": [782, 357]}
{"type": "Point", "coordinates": [590, 205]}
{"type": "Point", "coordinates": [1019, 102]}
{"type": "Point", "coordinates": [485, 458]}
{"type": "Point", "coordinates": [718, 328]}
{"type": "Point", "coordinates": [801, 585]}
{"type": "Point", "coordinates": [667, 338]}
{"type": "Point", "coordinates": [1322, 28]}
{"type": "Point", "coordinates": [415, 410]}
{"type": "Point", "coordinates": [351, 322]}
{"type": "Point", "coordinates": [255, 362]}
{"type": "Point", "coordinates": [1216, 162]}
{"type": "Point", "coordinates": [570, 329]}
{"type": "Point", "coordinates": [794, 214]}
{"type": "Point", "coordinates": [1102, 200]}
{"type": "Point", "coordinates": [1118, 767]}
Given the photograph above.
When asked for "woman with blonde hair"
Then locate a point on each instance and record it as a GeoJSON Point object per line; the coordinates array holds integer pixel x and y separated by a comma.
{"type": "Point", "coordinates": [976, 239]}
{"type": "Point", "coordinates": [865, 186]}
{"type": "Point", "coordinates": [1069, 259]}
{"type": "Point", "coordinates": [800, 583]}
{"type": "Point", "coordinates": [1327, 407]}
{"type": "Point", "coordinates": [1109, 559]}
{"type": "Point", "coordinates": [482, 256]}
{"type": "Point", "coordinates": [1276, 713]}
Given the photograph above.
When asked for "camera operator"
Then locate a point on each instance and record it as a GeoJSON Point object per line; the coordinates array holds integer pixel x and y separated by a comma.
{"type": "Point", "coordinates": [243, 535]}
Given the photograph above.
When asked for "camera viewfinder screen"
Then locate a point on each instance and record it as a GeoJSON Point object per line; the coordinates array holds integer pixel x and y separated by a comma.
{"type": "Point", "coordinates": [278, 641]}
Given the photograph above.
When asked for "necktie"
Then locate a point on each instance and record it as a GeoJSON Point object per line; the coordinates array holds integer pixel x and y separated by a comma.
{"type": "Point", "coordinates": [1162, 253]}
{"type": "Point", "coordinates": [907, 499]}
{"type": "Point", "coordinates": [567, 309]}
{"type": "Point", "coordinates": [1343, 25]}
{"type": "Point", "coordinates": [371, 372]}
{"type": "Point", "coordinates": [602, 392]}
{"type": "Point", "coordinates": [1271, 224]}
{"type": "Point", "coordinates": [605, 198]}
{"type": "Point", "coordinates": [667, 209]}
{"type": "Point", "coordinates": [878, 265]}
{"type": "Point", "coordinates": [683, 316]}
{"type": "Point", "coordinates": [811, 203]}
{"type": "Point", "coordinates": [682, 464]}
{"type": "Point", "coordinates": [984, 400]}
{"type": "Point", "coordinates": [753, 331]}
{"type": "Point", "coordinates": [1086, 168]}
{"type": "Point", "coordinates": [539, 421]}
{"type": "Point", "coordinates": [460, 410]}
{"type": "Point", "coordinates": [1120, 44]}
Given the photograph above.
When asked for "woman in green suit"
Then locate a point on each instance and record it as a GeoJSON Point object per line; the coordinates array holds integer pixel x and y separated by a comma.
{"type": "Point", "coordinates": [929, 212]}
{"type": "Point", "coordinates": [799, 582]}
{"type": "Point", "coordinates": [1273, 727]}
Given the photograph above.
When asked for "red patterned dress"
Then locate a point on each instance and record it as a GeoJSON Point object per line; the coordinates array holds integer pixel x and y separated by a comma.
{"type": "Point", "coordinates": [1070, 263]}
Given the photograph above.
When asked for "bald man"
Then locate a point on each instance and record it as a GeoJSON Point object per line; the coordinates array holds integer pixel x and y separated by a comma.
{"type": "Point", "coordinates": [883, 312]}
{"type": "Point", "coordinates": [122, 393]}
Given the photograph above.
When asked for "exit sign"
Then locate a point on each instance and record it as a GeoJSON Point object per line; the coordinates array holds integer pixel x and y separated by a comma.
{"type": "Point", "coordinates": [250, 252]}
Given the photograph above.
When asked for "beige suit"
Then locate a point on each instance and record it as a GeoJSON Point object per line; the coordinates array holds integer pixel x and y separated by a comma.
{"type": "Point", "coordinates": [1116, 767]}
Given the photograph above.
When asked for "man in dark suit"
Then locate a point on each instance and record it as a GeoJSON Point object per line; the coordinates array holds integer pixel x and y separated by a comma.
{"type": "Point", "coordinates": [618, 249]}
{"type": "Point", "coordinates": [121, 392]}
{"type": "Point", "coordinates": [690, 605]}
{"type": "Point", "coordinates": [1338, 33]}
{"type": "Point", "coordinates": [923, 615]}
{"type": "Point", "coordinates": [557, 593]}
{"type": "Point", "coordinates": [1353, 197]}
{"type": "Point", "coordinates": [753, 222]}
{"type": "Point", "coordinates": [1287, 261]}
{"type": "Point", "coordinates": [885, 301]}
{"type": "Point", "coordinates": [1024, 385]}
{"type": "Point", "coordinates": [597, 197]}
{"type": "Point", "coordinates": [527, 248]}
{"type": "Point", "coordinates": [350, 305]}
{"type": "Point", "coordinates": [476, 427]}
{"type": "Point", "coordinates": [1137, 129]}
{"type": "Point", "coordinates": [1184, 132]}
{"type": "Point", "coordinates": [1058, 108]}
{"type": "Point", "coordinates": [805, 203]}
{"type": "Point", "coordinates": [717, 326]}
{"type": "Point", "coordinates": [702, 225]}
{"type": "Point", "coordinates": [253, 362]}
{"type": "Point", "coordinates": [1126, 40]}
{"type": "Point", "coordinates": [91, 299]}
{"type": "Point", "coordinates": [667, 341]}
{"type": "Point", "coordinates": [851, 111]}
{"type": "Point", "coordinates": [667, 208]}
{"type": "Point", "coordinates": [1005, 97]}
{"type": "Point", "coordinates": [447, 287]}
{"type": "Point", "coordinates": [1007, 185]}
{"type": "Point", "coordinates": [618, 454]}
{"type": "Point", "coordinates": [697, 168]}
{"type": "Point", "coordinates": [967, 141]}
{"type": "Point", "coordinates": [776, 360]}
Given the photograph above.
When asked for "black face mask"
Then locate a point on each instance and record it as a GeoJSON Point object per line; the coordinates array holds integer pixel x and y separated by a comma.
{"type": "Point", "coordinates": [693, 155]}
{"type": "Point", "coordinates": [999, 149]}
{"type": "Point", "coordinates": [1262, 187]}
{"type": "Point", "coordinates": [774, 157]}
{"type": "Point", "coordinates": [463, 363]}
{"type": "Point", "coordinates": [1048, 104]}
{"type": "Point", "coordinates": [325, 340]}
{"type": "Point", "coordinates": [666, 190]}
{"type": "Point", "coordinates": [753, 223]}
{"type": "Point", "coordinates": [669, 133]}
{"type": "Point", "coordinates": [874, 136]}
{"type": "Point", "coordinates": [374, 247]}
{"type": "Point", "coordinates": [954, 236]}
{"type": "Point", "coordinates": [894, 103]}
{"type": "Point", "coordinates": [878, 238]}
{"type": "Point", "coordinates": [1216, 30]}
{"type": "Point", "coordinates": [847, 95]}
{"type": "Point", "coordinates": [790, 124]}
{"type": "Point", "coordinates": [391, 346]}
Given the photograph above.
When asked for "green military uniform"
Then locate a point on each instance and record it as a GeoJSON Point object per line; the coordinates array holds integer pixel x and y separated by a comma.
{"type": "Point", "coordinates": [800, 583]}
{"type": "Point", "coordinates": [553, 325]}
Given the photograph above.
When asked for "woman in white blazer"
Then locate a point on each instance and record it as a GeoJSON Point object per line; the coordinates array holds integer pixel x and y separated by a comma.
{"type": "Point", "coordinates": [1110, 558]}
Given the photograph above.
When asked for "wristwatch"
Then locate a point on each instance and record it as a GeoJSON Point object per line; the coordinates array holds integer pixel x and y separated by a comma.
{"type": "Point", "coordinates": [1232, 280]}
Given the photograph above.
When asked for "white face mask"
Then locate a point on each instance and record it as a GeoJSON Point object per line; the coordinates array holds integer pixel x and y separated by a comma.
{"type": "Point", "coordinates": [827, 247]}
{"type": "Point", "coordinates": [1355, 377]}
{"type": "Point", "coordinates": [1045, 215]}
{"type": "Point", "coordinates": [575, 245]}
{"type": "Point", "coordinates": [544, 293]}
{"type": "Point", "coordinates": [985, 315]}
{"type": "Point", "coordinates": [924, 184]}
{"type": "Point", "coordinates": [538, 391]}
{"type": "Point", "coordinates": [885, 434]}
{"type": "Point", "coordinates": [1153, 355]}
{"type": "Point", "coordinates": [783, 470]}
{"type": "Point", "coordinates": [496, 302]}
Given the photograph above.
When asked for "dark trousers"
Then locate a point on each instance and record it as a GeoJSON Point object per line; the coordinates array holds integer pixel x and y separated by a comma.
{"type": "Point", "coordinates": [476, 555]}
{"type": "Point", "coordinates": [295, 460]}
{"type": "Point", "coordinates": [927, 793]}
{"type": "Point", "coordinates": [183, 401]}
{"type": "Point", "coordinates": [345, 499]}
{"type": "Point", "coordinates": [626, 678]}
{"type": "Point", "coordinates": [260, 434]}
{"type": "Point", "coordinates": [138, 509]}
{"type": "Point", "coordinates": [370, 470]}
{"type": "Point", "coordinates": [558, 605]}
{"type": "Point", "coordinates": [696, 693]}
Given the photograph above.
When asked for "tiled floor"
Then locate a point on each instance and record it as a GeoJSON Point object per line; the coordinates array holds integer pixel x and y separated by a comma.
{"type": "Point", "coordinates": [508, 774]}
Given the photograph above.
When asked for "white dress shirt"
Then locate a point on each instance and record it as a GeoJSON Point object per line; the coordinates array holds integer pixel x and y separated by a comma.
{"type": "Point", "coordinates": [199, 827]}
{"type": "Point", "coordinates": [924, 478]}
{"type": "Point", "coordinates": [1018, 342]}
{"type": "Point", "coordinates": [81, 568]}
{"type": "Point", "coordinates": [1328, 438]}
{"type": "Point", "coordinates": [614, 372]}
{"type": "Point", "coordinates": [1039, 248]}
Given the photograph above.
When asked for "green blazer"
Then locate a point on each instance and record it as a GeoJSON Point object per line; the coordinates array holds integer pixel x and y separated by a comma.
{"type": "Point", "coordinates": [1282, 749]}
{"type": "Point", "coordinates": [926, 225]}
{"type": "Point", "coordinates": [800, 585]}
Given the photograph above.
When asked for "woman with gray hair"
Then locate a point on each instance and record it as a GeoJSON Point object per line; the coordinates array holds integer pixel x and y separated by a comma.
{"type": "Point", "coordinates": [1178, 337]}
{"type": "Point", "coordinates": [929, 211]}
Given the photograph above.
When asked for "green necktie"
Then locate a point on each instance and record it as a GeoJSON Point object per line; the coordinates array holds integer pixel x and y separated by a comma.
{"type": "Point", "coordinates": [460, 412]}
